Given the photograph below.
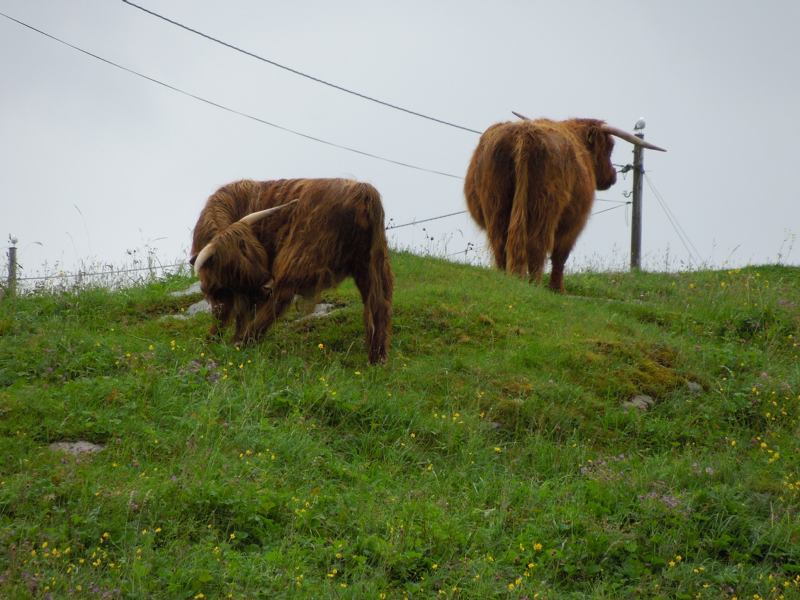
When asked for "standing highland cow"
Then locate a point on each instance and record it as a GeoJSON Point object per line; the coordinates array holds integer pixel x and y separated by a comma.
{"type": "Point", "coordinates": [530, 185]}
{"type": "Point", "coordinates": [257, 244]}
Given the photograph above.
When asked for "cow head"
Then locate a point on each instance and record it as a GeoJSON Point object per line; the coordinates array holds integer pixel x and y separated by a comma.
{"type": "Point", "coordinates": [235, 262]}
{"type": "Point", "coordinates": [628, 137]}
{"type": "Point", "coordinates": [600, 144]}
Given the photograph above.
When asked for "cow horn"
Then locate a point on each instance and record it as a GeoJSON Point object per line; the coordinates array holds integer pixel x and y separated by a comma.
{"type": "Point", "coordinates": [629, 137]}
{"type": "Point", "coordinates": [516, 114]}
{"type": "Point", "coordinates": [257, 216]}
{"type": "Point", "coordinates": [202, 257]}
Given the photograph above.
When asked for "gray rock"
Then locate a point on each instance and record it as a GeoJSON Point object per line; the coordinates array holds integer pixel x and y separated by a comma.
{"type": "Point", "coordinates": [639, 401]}
{"type": "Point", "coordinates": [198, 307]}
{"type": "Point", "coordinates": [320, 310]}
{"type": "Point", "coordinates": [75, 448]}
{"type": "Point", "coordinates": [195, 309]}
{"type": "Point", "coordinates": [695, 388]}
{"type": "Point", "coordinates": [192, 289]}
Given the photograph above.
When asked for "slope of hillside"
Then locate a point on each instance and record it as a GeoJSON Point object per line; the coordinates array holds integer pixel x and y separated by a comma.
{"type": "Point", "coordinates": [502, 451]}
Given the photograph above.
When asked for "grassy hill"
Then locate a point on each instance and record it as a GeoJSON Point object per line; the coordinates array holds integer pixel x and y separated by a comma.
{"type": "Point", "coordinates": [494, 456]}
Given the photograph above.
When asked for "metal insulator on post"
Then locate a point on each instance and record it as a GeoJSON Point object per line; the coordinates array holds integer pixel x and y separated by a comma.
{"type": "Point", "coordinates": [636, 205]}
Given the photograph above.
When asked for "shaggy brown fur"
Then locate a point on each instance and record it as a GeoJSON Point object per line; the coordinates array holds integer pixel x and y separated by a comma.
{"type": "Point", "coordinates": [335, 230]}
{"type": "Point", "coordinates": [530, 185]}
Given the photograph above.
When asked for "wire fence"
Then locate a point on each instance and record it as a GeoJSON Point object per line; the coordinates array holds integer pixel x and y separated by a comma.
{"type": "Point", "coordinates": [423, 220]}
{"type": "Point", "coordinates": [622, 204]}
{"type": "Point", "coordinates": [90, 276]}
{"type": "Point", "coordinates": [106, 271]}
{"type": "Point", "coordinates": [115, 277]}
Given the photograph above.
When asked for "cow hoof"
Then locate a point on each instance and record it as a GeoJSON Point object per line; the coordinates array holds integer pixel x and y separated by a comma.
{"type": "Point", "coordinates": [381, 360]}
{"type": "Point", "coordinates": [243, 341]}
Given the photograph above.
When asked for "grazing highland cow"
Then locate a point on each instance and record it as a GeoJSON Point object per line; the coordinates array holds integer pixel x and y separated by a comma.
{"type": "Point", "coordinates": [530, 185]}
{"type": "Point", "coordinates": [257, 244]}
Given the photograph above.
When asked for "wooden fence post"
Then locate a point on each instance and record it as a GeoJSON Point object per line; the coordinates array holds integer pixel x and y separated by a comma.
{"type": "Point", "coordinates": [12, 266]}
{"type": "Point", "coordinates": [636, 206]}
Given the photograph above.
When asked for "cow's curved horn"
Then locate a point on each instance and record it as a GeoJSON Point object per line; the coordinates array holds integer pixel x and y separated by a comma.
{"type": "Point", "coordinates": [516, 114]}
{"type": "Point", "coordinates": [629, 137]}
{"type": "Point", "coordinates": [257, 216]}
{"type": "Point", "coordinates": [202, 257]}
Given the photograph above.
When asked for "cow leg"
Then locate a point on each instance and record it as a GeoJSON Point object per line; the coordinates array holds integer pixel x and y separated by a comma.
{"type": "Point", "coordinates": [536, 259]}
{"type": "Point", "coordinates": [241, 326]}
{"type": "Point", "coordinates": [542, 236]}
{"type": "Point", "coordinates": [244, 312]}
{"type": "Point", "coordinates": [221, 312]}
{"type": "Point", "coordinates": [537, 252]}
{"type": "Point", "coordinates": [557, 274]}
{"type": "Point", "coordinates": [266, 315]}
{"type": "Point", "coordinates": [376, 294]}
{"type": "Point", "coordinates": [497, 232]}
{"type": "Point", "coordinates": [558, 258]}
{"type": "Point", "coordinates": [499, 250]}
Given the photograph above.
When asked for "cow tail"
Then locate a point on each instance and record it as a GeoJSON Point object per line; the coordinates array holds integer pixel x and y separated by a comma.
{"type": "Point", "coordinates": [517, 244]}
{"type": "Point", "coordinates": [378, 299]}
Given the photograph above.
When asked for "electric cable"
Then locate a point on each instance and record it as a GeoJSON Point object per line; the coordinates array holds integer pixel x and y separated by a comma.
{"type": "Point", "coordinates": [296, 72]}
{"type": "Point", "coordinates": [599, 212]}
{"type": "Point", "coordinates": [674, 222]}
{"type": "Point", "coordinates": [424, 220]}
{"type": "Point", "coordinates": [231, 110]}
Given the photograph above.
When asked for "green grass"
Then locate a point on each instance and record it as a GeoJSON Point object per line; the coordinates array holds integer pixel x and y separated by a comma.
{"type": "Point", "coordinates": [492, 457]}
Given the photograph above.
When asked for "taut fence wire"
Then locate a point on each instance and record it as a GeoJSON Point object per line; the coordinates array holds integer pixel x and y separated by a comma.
{"type": "Point", "coordinates": [108, 271]}
{"type": "Point", "coordinates": [105, 276]}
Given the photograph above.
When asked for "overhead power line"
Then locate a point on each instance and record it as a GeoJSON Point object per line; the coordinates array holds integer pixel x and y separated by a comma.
{"type": "Point", "coordinates": [608, 209]}
{"type": "Point", "coordinates": [461, 212]}
{"type": "Point", "coordinates": [674, 222]}
{"type": "Point", "coordinates": [425, 220]}
{"type": "Point", "coordinates": [296, 72]}
{"type": "Point", "coordinates": [231, 110]}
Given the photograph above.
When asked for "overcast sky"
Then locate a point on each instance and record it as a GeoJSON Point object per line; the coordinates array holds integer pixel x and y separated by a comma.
{"type": "Point", "coordinates": [96, 161]}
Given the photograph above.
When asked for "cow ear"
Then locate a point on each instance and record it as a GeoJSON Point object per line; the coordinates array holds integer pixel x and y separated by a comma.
{"type": "Point", "coordinates": [266, 289]}
{"type": "Point", "coordinates": [202, 258]}
{"type": "Point", "coordinates": [205, 260]}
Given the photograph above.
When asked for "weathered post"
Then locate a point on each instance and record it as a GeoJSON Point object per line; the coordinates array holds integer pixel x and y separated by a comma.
{"type": "Point", "coordinates": [636, 207]}
{"type": "Point", "coordinates": [12, 265]}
